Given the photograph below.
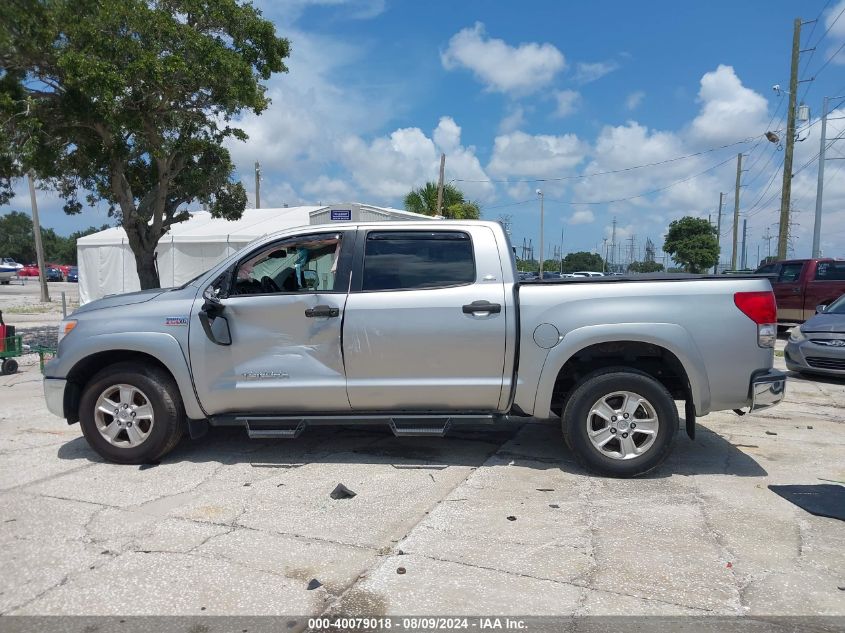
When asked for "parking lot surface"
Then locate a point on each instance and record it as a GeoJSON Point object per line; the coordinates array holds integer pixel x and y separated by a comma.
{"type": "Point", "coordinates": [489, 520]}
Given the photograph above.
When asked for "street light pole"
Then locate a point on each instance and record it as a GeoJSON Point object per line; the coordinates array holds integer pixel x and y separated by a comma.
{"type": "Point", "coordinates": [540, 194]}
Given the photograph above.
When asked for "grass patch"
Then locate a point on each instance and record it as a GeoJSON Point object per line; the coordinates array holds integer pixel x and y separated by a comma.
{"type": "Point", "coordinates": [38, 308]}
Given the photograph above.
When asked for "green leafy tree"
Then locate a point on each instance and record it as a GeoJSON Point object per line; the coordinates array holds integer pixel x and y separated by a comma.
{"type": "Point", "coordinates": [16, 237]}
{"type": "Point", "coordinates": [527, 265]}
{"type": "Point", "coordinates": [130, 102]}
{"type": "Point", "coordinates": [645, 267]}
{"type": "Point", "coordinates": [17, 240]}
{"type": "Point", "coordinates": [455, 206]}
{"type": "Point", "coordinates": [582, 260]}
{"type": "Point", "coordinates": [692, 243]}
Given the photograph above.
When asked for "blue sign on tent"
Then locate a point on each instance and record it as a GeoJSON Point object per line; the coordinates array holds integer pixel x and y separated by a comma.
{"type": "Point", "coordinates": [341, 215]}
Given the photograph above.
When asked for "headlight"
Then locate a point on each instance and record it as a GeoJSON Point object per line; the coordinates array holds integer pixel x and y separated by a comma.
{"type": "Point", "coordinates": [64, 328]}
{"type": "Point", "coordinates": [796, 335]}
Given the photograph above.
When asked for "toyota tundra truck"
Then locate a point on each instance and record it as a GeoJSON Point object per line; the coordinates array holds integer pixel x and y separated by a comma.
{"type": "Point", "coordinates": [420, 326]}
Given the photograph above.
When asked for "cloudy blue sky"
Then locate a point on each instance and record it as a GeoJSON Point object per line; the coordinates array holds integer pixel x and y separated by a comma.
{"type": "Point", "coordinates": [533, 95]}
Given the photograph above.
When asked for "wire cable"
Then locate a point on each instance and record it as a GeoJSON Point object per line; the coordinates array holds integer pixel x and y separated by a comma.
{"type": "Point", "coordinates": [645, 193]}
{"type": "Point", "coordinates": [613, 171]}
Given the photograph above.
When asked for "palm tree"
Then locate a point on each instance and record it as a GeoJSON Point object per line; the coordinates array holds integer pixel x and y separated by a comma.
{"type": "Point", "coordinates": [455, 207]}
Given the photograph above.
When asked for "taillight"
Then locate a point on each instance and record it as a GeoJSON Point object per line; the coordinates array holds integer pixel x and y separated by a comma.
{"type": "Point", "coordinates": [760, 307]}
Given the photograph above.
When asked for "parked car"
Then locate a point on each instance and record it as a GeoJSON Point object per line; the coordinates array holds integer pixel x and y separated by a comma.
{"type": "Point", "coordinates": [421, 325]}
{"type": "Point", "coordinates": [9, 262]}
{"type": "Point", "coordinates": [64, 268]}
{"type": "Point", "coordinates": [29, 271]}
{"type": "Point", "coordinates": [8, 269]}
{"type": "Point", "coordinates": [73, 274]}
{"type": "Point", "coordinates": [587, 273]}
{"type": "Point", "coordinates": [802, 284]}
{"type": "Point", "coordinates": [55, 274]}
{"type": "Point", "coordinates": [818, 346]}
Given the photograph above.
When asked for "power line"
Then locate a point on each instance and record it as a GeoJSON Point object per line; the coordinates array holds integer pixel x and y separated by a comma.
{"type": "Point", "coordinates": [648, 193]}
{"type": "Point", "coordinates": [819, 41]}
{"type": "Point", "coordinates": [613, 171]}
{"type": "Point", "coordinates": [828, 60]}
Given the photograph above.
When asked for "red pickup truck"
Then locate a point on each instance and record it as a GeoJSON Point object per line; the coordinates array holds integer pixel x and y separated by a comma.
{"type": "Point", "coordinates": [802, 284]}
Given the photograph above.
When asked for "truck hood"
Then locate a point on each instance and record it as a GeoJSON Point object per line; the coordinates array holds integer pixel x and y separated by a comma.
{"type": "Point", "coordinates": [825, 323]}
{"type": "Point", "coordinates": [120, 300]}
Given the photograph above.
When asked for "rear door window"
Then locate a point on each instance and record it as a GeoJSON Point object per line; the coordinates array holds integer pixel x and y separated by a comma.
{"type": "Point", "coordinates": [791, 272]}
{"type": "Point", "coordinates": [830, 271]}
{"type": "Point", "coordinates": [408, 260]}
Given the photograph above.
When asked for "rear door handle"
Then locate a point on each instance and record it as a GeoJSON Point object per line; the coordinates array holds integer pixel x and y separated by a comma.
{"type": "Point", "coordinates": [482, 306]}
{"type": "Point", "coordinates": [322, 311]}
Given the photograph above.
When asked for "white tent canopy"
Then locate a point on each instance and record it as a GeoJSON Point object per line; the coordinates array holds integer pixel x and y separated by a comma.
{"type": "Point", "coordinates": [107, 265]}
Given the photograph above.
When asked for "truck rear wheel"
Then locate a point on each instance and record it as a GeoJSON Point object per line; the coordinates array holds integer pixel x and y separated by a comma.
{"type": "Point", "coordinates": [132, 413]}
{"type": "Point", "coordinates": [620, 422]}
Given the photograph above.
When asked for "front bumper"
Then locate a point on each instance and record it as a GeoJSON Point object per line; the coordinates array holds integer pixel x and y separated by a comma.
{"type": "Point", "coordinates": [54, 394]}
{"type": "Point", "coordinates": [767, 389]}
{"type": "Point", "coordinates": [820, 353]}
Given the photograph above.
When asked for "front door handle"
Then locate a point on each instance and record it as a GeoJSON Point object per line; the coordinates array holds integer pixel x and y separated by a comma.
{"type": "Point", "coordinates": [322, 311]}
{"type": "Point", "coordinates": [482, 306]}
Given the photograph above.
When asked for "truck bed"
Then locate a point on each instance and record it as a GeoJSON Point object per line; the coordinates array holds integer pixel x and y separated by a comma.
{"type": "Point", "coordinates": [639, 277]}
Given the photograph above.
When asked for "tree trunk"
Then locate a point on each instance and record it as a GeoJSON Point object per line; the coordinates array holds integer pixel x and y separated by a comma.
{"type": "Point", "coordinates": [145, 264]}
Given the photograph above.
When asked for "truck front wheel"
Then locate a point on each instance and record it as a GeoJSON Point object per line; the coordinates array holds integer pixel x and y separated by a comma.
{"type": "Point", "coordinates": [132, 413]}
{"type": "Point", "coordinates": [620, 422]}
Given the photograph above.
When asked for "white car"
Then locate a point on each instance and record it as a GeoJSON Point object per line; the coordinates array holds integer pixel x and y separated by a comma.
{"type": "Point", "coordinates": [587, 273]}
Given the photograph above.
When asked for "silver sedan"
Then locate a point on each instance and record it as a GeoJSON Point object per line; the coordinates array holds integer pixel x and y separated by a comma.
{"type": "Point", "coordinates": [818, 346]}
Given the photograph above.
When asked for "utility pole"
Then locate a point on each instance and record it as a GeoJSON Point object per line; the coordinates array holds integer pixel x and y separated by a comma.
{"type": "Point", "coordinates": [736, 209]}
{"type": "Point", "coordinates": [719, 233]}
{"type": "Point", "coordinates": [257, 185]}
{"type": "Point", "coordinates": [613, 246]}
{"type": "Point", "coordinates": [786, 192]}
{"type": "Point", "coordinates": [540, 193]}
{"type": "Point", "coordinates": [768, 237]}
{"type": "Point", "coordinates": [744, 234]}
{"type": "Point", "coordinates": [560, 251]}
{"type": "Point", "coordinates": [604, 263]}
{"type": "Point", "coordinates": [39, 246]}
{"type": "Point", "coordinates": [817, 226]}
{"type": "Point", "coordinates": [440, 185]}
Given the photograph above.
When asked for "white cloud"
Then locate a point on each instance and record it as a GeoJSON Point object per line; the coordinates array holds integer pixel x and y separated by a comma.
{"type": "Point", "coordinates": [567, 102]}
{"type": "Point", "coordinates": [729, 111]}
{"type": "Point", "coordinates": [633, 100]}
{"type": "Point", "coordinates": [389, 166]}
{"type": "Point", "coordinates": [584, 216]}
{"type": "Point", "coordinates": [512, 121]}
{"type": "Point", "coordinates": [447, 134]}
{"type": "Point", "coordinates": [525, 155]}
{"type": "Point", "coordinates": [587, 72]}
{"type": "Point", "coordinates": [521, 69]}
{"type": "Point", "coordinates": [833, 22]}
{"type": "Point", "coordinates": [325, 189]}
{"type": "Point", "coordinates": [309, 113]}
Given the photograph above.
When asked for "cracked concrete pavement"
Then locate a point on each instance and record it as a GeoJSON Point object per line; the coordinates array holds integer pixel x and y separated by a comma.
{"type": "Point", "coordinates": [226, 525]}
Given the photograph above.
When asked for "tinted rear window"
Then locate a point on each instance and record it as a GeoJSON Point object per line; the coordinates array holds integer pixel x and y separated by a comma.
{"type": "Point", "coordinates": [830, 271]}
{"type": "Point", "coordinates": [791, 272]}
{"type": "Point", "coordinates": [406, 260]}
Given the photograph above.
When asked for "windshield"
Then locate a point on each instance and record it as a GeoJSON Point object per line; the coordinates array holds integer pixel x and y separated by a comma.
{"type": "Point", "coordinates": [837, 307]}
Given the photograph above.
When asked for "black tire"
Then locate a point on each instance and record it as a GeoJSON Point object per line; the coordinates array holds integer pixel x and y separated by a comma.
{"type": "Point", "coordinates": [604, 382]}
{"type": "Point", "coordinates": [163, 394]}
{"type": "Point", "coordinates": [10, 366]}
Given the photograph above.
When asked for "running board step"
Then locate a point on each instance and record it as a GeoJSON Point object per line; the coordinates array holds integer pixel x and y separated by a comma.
{"type": "Point", "coordinates": [431, 427]}
{"type": "Point", "coordinates": [289, 430]}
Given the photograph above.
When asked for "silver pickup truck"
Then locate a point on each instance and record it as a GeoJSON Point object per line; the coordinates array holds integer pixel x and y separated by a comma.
{"type": "Point", "coordinates": [420, 326]}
